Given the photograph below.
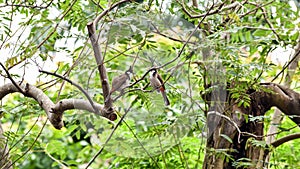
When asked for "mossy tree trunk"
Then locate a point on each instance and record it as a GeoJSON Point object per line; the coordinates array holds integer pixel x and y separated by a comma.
{"type": "Point", "coordinates": [236, 141]}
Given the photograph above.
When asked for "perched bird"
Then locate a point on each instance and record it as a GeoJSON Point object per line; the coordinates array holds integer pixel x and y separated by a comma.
{"type": "Point", "coordinates": [158, 84]}
{"type": "Point", "coordinates": [120, 82]}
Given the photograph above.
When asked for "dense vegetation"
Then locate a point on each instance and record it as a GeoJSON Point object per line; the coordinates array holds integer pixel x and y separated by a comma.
{"type": "Point", "coordinates": [197, 46]}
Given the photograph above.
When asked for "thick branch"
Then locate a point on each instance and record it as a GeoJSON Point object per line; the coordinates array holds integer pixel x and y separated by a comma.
{"type": "Point", "coordinates": [277, 118]}
{"type": "Point", "coordinates": [53, 111]}
{"type": "Point", "coordinates": [69, 104]}
{"type": "Point", "coordinates": [99, 59]}
{"type": "Point", "coordinates": [287, 100]}
{"type": "Point", "coordinates": [285, 139]}
{"type": "Point", "coordinates": [98, 54]}
{"type": "Point", "coordinates": [76, 85]}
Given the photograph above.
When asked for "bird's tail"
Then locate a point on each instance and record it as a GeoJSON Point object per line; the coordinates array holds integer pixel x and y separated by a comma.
{"type": "Point", "coordinates": [167, 102]}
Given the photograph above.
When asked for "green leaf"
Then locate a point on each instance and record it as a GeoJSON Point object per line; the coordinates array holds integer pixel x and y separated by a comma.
{"type": "Point", "coordinates": [77, 134]}
{"type": "Point", "coordinates": [261, 32]}
{"type": "Point", "coordinates": [295, 36]}
{"type": "Point", "coordinates": [70, 129]}
{"type": "Point", "coordinates": [54, 146]}
{"type": "Point", "coordinates": [83, 126]}
{"type": "Point", "coordinates": [248, 36]}
{"type": "Point", "coordinates": [226, 137]}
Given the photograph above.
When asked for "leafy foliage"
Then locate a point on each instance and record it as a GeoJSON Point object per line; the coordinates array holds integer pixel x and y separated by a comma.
{"type": "Point", "coordinates": [52, 35]}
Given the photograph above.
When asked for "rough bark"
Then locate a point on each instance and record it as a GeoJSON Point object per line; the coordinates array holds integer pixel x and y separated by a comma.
{"type": "Point", "coordinates": [54, 111]}
{"type": "Point", "coordinates": [231, 137]}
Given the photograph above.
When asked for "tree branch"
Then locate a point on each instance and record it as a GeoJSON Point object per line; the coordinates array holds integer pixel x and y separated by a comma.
{"type": "Point", "coordinates": [108, 138]}
{"type": "Point", "coordinates": [108, 10]}
{"type": "Point", "coordinates": [284, 98]}
{"type": "Point", "coordinates": [270, 24]}
{"type": "Point", "coordinates": [72, 83]}
{"type": "Point", "coordinates": [91, 26]}
{"type": "Point", "coordinates": [287, 65]}
{"type": "Point", "coordinates": [27, 6]}
{"type": "Point", "coordinates": [256, 8]}
{"type": "Point", "coordinates": [11, 79]}
{"type": "Point", "coordinates": [220, 8]}
{"type": "Point", "coordinates": [285, 139]}
{"type": "Point", "coordinates": [54, 111]}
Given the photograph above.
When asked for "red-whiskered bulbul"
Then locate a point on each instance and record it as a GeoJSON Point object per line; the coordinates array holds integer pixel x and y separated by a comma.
{"type": "Point", "coordinates": [158, 84]}
{"type": "Point", "coordinates": [120, 82]}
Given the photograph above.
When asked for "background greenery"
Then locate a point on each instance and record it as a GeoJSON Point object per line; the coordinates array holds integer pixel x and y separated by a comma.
{"type": "Point", "coordinates": [32, 37]}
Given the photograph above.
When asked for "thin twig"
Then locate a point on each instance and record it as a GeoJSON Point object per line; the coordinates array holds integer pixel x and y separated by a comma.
{"type": "Point", "coordinates": [169, 37]}
{"type": "Point", "coordinates": [108, 10]}
{"type": "Point", "coordinates": [57, 24]}
{"type": "Point", "coordinates": [12, 80]}
{"type": "Point", "coordinates": [188, 39]}
{"type": "Point", "coordinates": [212, 12]}
{"type": "Point", "coordinates": [108, 138]}
{"type": "Point", "coordinates": [98, 4]}
{"type": "Point", "coordinates": [160, 145]}
{"type": "Point", "coordinates": [138, 140]}
{"type": "Point", "coordinates": [23, 136]}
{"type": "Point", "coordinates": [34, 141]}
{"type": "Point", "coordinates": [270, 24]}
{"type": "Point", "coordinates": [286, 66]}
{"type": "Point", "coordinates": [76, 85]}
{"type": "Point", "coordinates": [255, 9]}
{"type": "Point", "coordinates": [27, 6]}
{"type": "Point", "coordinates": [234, 124]}
{"type": "Point", "coordinates": [48, 36]}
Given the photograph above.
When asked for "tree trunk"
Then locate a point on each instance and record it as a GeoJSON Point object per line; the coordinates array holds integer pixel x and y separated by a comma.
{"type": "Point", "coordinates": [234, 141]}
